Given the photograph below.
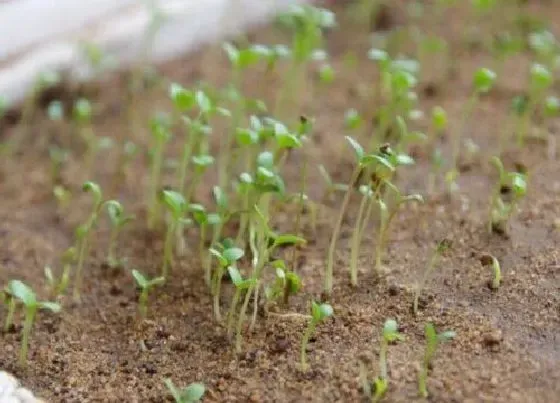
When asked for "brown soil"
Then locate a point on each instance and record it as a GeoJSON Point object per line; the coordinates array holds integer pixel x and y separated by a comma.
{"type": "Point", "coordinates": [507, 346]}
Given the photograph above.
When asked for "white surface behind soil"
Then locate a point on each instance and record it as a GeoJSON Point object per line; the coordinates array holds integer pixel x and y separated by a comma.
{"type": "Point", "coordinates": [39, 35]}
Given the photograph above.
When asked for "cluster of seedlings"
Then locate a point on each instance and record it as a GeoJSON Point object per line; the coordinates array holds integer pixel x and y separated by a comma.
{"type": "Point", "coordinates": [237, 234]}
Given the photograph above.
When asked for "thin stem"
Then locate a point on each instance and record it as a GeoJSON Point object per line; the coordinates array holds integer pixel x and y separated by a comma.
{"type": "Point", "coordinates": [216, 289]}
{"type": "Point", "coordinates": [306, 335]}
{"type": "Point", "coordinates": [330, 259]}
{"type": "Point", "coordinates": [81, 257]}
{"type": "Point", "coordinates": [153, 211]}
{"type": "Point", "coordinates": [231, 313]}
{"type": "Point", "coordinates": [168, 249]}
{"type": "Point", "coordinates": [143, 302]}
{"type": "Point", "coordinates": [27, 325]}
{"type": "Point", "coordinates": [356, 238]}
{"type": "Point", "coordinates": [10, 316]}
{"type": "Point", "coordinates": [422, 282]}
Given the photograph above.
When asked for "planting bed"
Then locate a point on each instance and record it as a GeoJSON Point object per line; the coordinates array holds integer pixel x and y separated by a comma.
{"type": "Point", "coordinates": [506, 347]}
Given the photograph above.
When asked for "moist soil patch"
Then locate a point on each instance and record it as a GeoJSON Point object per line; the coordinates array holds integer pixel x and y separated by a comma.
{"type": "Point", "coordinates": [506, 348]}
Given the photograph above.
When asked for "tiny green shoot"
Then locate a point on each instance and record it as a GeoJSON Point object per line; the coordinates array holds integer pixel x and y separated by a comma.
{"type": "Point", "coordinates": [191, 394]}
{"type": "Point", "coordinates": [145, 285]}
{"type": "Point", "coordinates": [433, 339]}
{"type": "Point", "coordinates": [489, 260]}
{"type": "Point", "coordinates": [118, 220]}
{"type": "Point", "coordinates": [319, 312]}
{"type": "Point", "coordinates": [390, 334]}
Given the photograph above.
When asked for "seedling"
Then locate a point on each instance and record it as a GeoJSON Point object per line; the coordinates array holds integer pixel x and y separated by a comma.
{"type": "Point", "coordinates": [367, 193]}
{"type": "Point", "coordinates": [286, 283]}
{"type": "Point", "coordinates": [483, 82]}
{"type": "Point", "coordinates": [58, 157]}
{"type": "Point", "coordinates": [57, 287]}
{"type": "Point", "coordinates": [26, 295]}
{"type": "Point", "coordinates": [145, 286]}
{"type": "Point", "coordinates": [510, 188]}
{"type": "Point", "coordinates": [541, 79]}
{"type": "Point", "coordinates": [241, 285]}
{"type": "Point", "coordinates": [10, 301]}
{"type": "Point", "coordinates": [319, 312]}
{"type": "Point", "coordinates": [226, 259]}
{"type": "Point", "coordinates": [362, 161]}
{"type": "Point", "coordinates": [161, 134]}
{"type": "Point", "coordinates": [489, 260]}
{"type": "Point", "coordinates": [390, 334]}
{"type": "Point", "coordinates": [83, 233]}
{"type": "Point", "coordinates": [175, 204]}
{"type": "Point", "coordinates": [438, 123]}
{"type": "Point", "coordinates": [191, 394]}
{"type": "Point", "coordinates": [439, 250]}
{"type": "Point", "coordinates": [433, 339]}
{"type": "Point", "coordinates": [118, 219]}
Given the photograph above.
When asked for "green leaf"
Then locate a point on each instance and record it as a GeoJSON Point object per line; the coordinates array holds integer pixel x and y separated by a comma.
{"type": "Point", "coordinates": [484, 80]}
{"type": "Point", "coordinates": [235, 276]}
{"type": "Point", "coordinates": [140, 279]}
{"type": "Point", "coordinates": [430, 334]}
{"type": "Point", "coordinates": [50, 306]}
{"type": "Point", "coordinates": [22, 292]}
{"type": "Point", "coordinates": [246, 137]}
{"type": "Point", "coordinates": [193, 392]}
{"type": "Point", "coordinates": [403, 159]}
{"type": "Point", "coordinates": [233, 254]}
{"type": "Point", "coordinates": [541, 77]}
{"type": "Point", "coordinates": [182, 99]}
{"type": "Point", "coordinates": [82, 111]}
{"type": "Point", "coordinates": [220, 197]}
{"type": "Point", "coordinates": [294, 282]}
{"type": "Point", "coordinates": [326, 73]}
{"type": "Point", "coordinates": [203, 161]}
{"type": "Point", "coordinates": [447, 335]}
{"type": "Point", "coordinates": [519, 184]}
{"type": "Point", "coordinates": [95, 189]}
{"type": "Point", "coordinates": [320, 312]}
{"type": "Point", "coordinates": [439, 118]}
{"type": "Point", "coordinates": [288, 239]}
{"type": "Point", "coordinates": [115, 211]}
{"type": "Point", "coordinates": [358, 149]}
{"type": "Point", "coordinates": [266, 160]}
{"type": "Point", "coordinates": [287, 140]}
{"type": "Point", "coordinates": [204, 102]}
{"type": "Point", "coordinates": [175, 202]}
{"type": "Point", "coordinates": [352, 119]}
{"type": "Point", "coordinates": [221, 259]}
{"type": "Point", "coordinates": [232, 53]}
{"type": "Point", "coordinates": [390, 330]}
{"type": "Point", "coordinates": [55, 111]}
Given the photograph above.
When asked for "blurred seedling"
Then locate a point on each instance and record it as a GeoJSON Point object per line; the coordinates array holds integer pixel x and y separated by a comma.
{"type": "Point", "coordinates": [25, 294]}
{"type": "Point", "coordinates": [204, 220]}
{"type": "Point", "coordinates": [510, 188]}
{"type": "Point", "coordinates": [160, 129]}
{"type": "Point", "coordinates": [483, 82]}
{"type": "Point", "coordinates": [540, 80]}
{"type": "Point", "coordinates": [319, 312]}
{"type": "Point", "coordinates": [58, 157]}
{"type": "Point", "coordinates": [10, 301]}
{"type": "Point", "coordinates": [62, 196]}
{"type": "Point", "coordinates": [362, 161]}
{"type": "Point", "coordinates": [145, 285]}
{"type": "Point", "coordinates": [118, 220]}
{"type": "Point", "coordinates": [389, 335]}
{"type": "Point", "coordinates": [227, 257]}
{"type": "Point", "coordinates": [83, 233]}
{"type": "Point", "coordinates": [438, 252]}
{"type": "Point", "coordinates": [176, 206]}
{"type": "Point", "coordinates": [439, 123]}
{"type": "Point", "coordinates": [57, 286]}
{"type": "Point", "coordinates": [489, 260]}
{"type": "Point", "coordinates": [433, 339]}
{"type": "Point", "coordinates": [191, 394]}
{"type": "Point", "coordinates": [241, 285]}
{"type": "Point", "coordinates": [286, 283]}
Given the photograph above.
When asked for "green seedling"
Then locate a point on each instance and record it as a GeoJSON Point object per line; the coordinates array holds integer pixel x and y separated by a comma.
{"type": "Point", "coordinates": [58, 157]}
{"type": "Point", "coordinates": [176, 206]}
{"type": "Point", "coordinates": [56, 286]}
{"type": "Point", "coordinates": [118, 219]}
{"type": "Point", "coordinates": [483, 81]}
{"type": "Point", "coordinates": [331, 186]}
{"type": "Point", "coordinates": [10, 301]}
{"type": "Point", "coordinates": [439, 250]}
{"type": "Point", "coordinates": [541, 79]}
{"type": "Point", "coordinates": [83, 233]}
{"type": "Point", "coordinates": [363, 160]}
{"type": "Point", "coordinates": [367, 194]}
{"type": "Point", "coordinates": [389, 335]}
{"type": "Point", "coordinates": [510, 188]}
{"type": "Point", "coordinates": [62, 195]}
{"type": "Point", "coordinates": [160, 129]}
{"type": "Point", "coordinates": [228, 257]}
{"type": "Point", "coordinates": [546, 47]}
{"type": "Point", "coordinates": [489, 260]}
{"type": "Point", "coordinates": [438, 124]}
{"type": "Point", "coordinates": [319, 312]}
{"type": "Point", "coordinates": [433, 339]}
{"type": "Point", "coordinates": [286, 283]}
{"type": "Point", "coordinates": [204, 220]}
{"type": "Point", "coordinates": [191, 394]}
{"type": "Point", "coordinates": [145, 285]}
{"type": "Point", "coordinates": [437, 163]}
{"type": "Point", "coordinates": [26, 295]}
{"type": "Point", "coordinates": [82, 115]}
{"type": "Point", "coordinates": [241, 285]}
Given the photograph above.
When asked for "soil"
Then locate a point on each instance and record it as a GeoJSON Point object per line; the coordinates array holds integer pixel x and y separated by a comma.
{"type": "Point", "coordinates": [507, 347]}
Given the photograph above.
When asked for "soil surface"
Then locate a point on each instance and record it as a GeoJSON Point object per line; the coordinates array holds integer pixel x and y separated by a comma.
{"type": "Point", "coordinates": [507, 347]}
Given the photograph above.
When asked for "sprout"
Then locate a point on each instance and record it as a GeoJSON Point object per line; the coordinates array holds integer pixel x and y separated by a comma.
{"type": "Point", "coordinates": [319, 312]}
{"type": "Point", "coordinates": [489, 260]}
{"type": "Point", "coordinates": [510, 188]}
{"type": "Point", "coordinates": [118, 219]}
{"type": "Point", "coordinates": [8, 299]}
{"type": "Point", "coordinates": [439, 122]}
{"type": "Point", "coordinates": [83, 233]}
{"type": "Point", "coordinates": [226, 259]}
{"type": "Point", "coordinates": [191, 394]}
{"type": "Point", "coordinates": [241, 285]}
{"type": "Point", "coordinates": [58, 287]}
{"type": "Point", "coordinates": [58, 158]}
{"type": "Point", "coordinates": [483, 81]}
{"type": "Point", "coordinates": [145, 286]}
{"type": "Point", "coordinates": [175, 204]}
{"type": "Point", "coordinates": [433, 339]}
{"type": "Point", "coordinates": [540, 80]}
{"type": "Point", "coordinates": [286, 283]}
{"type": "Point", "coordinates": [362, 160]}
{"type": "Point", "coordinates": [161, 134]}
{"type": "Point", "coordinates": [367, 193]}
{"type": "Point", "coordinates": [22, 292]}
{"type": "Point", "coordinates": [439, 250]}
{"type": "Point", "coordinates": [390, 334]}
